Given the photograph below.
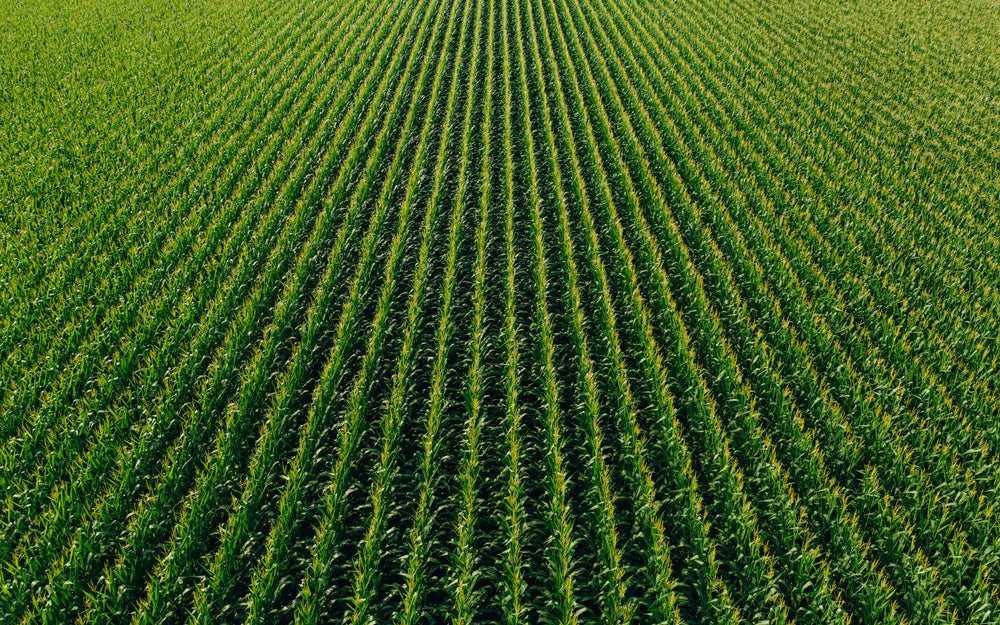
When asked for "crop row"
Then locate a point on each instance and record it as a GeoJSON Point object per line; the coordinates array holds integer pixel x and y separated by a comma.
{"type": "Point", "coordinates": [477, 310]}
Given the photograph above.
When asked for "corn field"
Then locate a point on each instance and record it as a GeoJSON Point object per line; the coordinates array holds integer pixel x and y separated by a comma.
{"type": "Point", "coordinates": [500, 311]}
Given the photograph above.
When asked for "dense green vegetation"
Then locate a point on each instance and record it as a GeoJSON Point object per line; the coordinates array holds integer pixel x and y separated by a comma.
{"type": "Point", "coordinates": [519, 311]}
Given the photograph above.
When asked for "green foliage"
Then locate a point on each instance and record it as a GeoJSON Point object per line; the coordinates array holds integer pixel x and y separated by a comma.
{"type": "Point", "coordinates": [482, 310]}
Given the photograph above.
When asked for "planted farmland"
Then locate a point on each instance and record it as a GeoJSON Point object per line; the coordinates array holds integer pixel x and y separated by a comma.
{"type": "Point", "coordinates": [518, 311]}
